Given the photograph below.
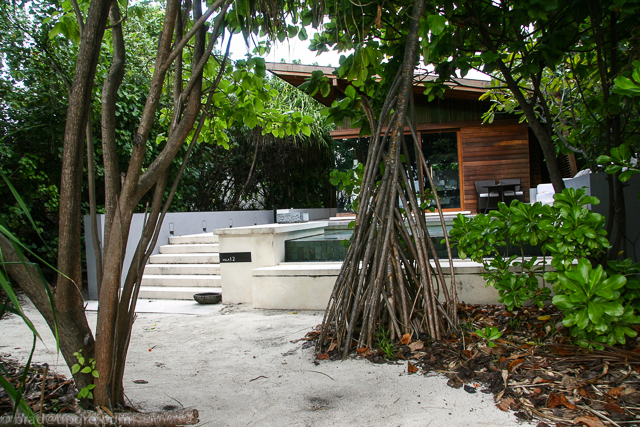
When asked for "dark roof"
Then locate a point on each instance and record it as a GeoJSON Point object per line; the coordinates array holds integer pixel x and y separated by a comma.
{"type": "Point", "coordinates": [296, 74]}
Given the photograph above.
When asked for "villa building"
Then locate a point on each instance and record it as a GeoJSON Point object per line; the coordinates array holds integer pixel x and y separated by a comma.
{"type": "Point", "coordinates": [458, 147]}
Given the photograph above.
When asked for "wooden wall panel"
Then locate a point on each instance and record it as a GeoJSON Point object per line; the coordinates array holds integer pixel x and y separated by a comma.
{"type": "Point", "coordinates": [498, 151]}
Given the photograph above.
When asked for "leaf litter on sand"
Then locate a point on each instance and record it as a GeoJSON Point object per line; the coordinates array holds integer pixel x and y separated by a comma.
{"type": "Point", "coordinates": [59, 392]}
{"type": "Point", "coordinates": [534, 369]}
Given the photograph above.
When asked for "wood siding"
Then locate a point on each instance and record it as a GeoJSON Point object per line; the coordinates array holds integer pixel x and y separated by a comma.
{"type": "Point", "coordinates": [497, 151]}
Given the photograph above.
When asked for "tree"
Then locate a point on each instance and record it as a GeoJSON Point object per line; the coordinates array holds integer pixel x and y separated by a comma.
{"type": "Point", "coordinates": [263, 171]}
{"type": "Point", "coordinates": [32, 108]}
{"type": "Point", "coordinates": [518, 42]}
{"type": "Point", "coordinates": [556, 62]}
{"type": "Point", "coordinates": [391, 279]}
{"type": "Point", "coordinates": [184, 56]}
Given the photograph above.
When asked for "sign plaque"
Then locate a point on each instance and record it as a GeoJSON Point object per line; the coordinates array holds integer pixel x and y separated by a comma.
{"type": "Point", "coordinates": [235, 257]}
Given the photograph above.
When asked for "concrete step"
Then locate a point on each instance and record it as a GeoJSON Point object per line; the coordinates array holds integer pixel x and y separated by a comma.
{"type": "Point", "coordinates": [194, 238]}
{"type": "Point", "coordinates": [190, 248]}
{"type": "Point", "coordinates": [210, 258]}
{"type": "Point", "coordinates": [179, 292]}
{"type": "Point", "coordinates": [157, 269]}
{"type": "Point", "coordinates": [182, 280]}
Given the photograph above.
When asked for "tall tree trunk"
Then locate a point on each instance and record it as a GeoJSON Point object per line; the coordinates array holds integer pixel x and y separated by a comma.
{"type": "Point", "coordinates": [68, 302]}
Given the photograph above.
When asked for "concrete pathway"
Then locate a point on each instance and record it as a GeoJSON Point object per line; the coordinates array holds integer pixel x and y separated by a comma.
{"type": "Point", "coordinates": [241, 367]}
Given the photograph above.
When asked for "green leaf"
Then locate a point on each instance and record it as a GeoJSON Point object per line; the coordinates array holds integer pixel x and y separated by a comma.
{"type": "Point", "coordinates": [626, 175]}
{"type": "Point", "coordinates": [55, 30]}
{"type": "Point", "coordinates": [582, 319]}
{"type": "Point", "coordinates": [350, 91]}
{"type": "Point", "coordinates": [86, 370]}
{"type": "Point", "coordinates": [606, 288]}
{"type": "Point", "coordinates": [625, 86]}
{"type": "Point", "coordinates": [16, 396]}
{"type": "Point", "coordinates": [612, 308]}
{"type": "Point", "coordinates": [595, 311]}
{"type": "Point", "coordinates": [75, 368]}
{"type": "Point", "coordinates": [436, 23]}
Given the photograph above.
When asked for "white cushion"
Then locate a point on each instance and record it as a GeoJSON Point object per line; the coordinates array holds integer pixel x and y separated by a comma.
{"type": "Point", "coordinates": [545, 198]}
{"type": "Point", "coordinates": [545, 188]}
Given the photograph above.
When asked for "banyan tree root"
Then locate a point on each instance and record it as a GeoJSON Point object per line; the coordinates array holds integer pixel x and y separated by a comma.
{"type": "Point", "coordinates": [391, 279]}
{"type": "Point", "coordinates": [121, 419]}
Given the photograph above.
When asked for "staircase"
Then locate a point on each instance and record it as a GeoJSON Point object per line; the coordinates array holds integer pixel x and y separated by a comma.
{"type": "Point", "coordinates": [187, 265]}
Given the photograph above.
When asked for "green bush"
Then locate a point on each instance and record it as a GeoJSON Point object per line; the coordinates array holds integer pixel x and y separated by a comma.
{"type": "Point", "coordinates": [485, 239]}
{"type": "Point", "coordinates": [593, 304]}
{"type": "Point", "coordinates": [599, 306]}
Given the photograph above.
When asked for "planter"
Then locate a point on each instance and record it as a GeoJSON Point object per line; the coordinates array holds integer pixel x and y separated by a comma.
{"type": "Point", "coordinates": [208, 297]}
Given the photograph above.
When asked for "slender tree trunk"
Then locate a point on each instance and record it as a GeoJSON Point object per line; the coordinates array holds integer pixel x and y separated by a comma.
{"type": "Point", "coordinates": [120, 223]}
{"type": "Point", "coordinates": [108, 123]}
{"type": "Point", "coordinates": [68, 300]}
{"type": "Point", "coordinates": [543, 136]}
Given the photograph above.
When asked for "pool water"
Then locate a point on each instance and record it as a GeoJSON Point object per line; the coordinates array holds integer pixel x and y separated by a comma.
{"type": "Point", "coordinates": [331, 245]}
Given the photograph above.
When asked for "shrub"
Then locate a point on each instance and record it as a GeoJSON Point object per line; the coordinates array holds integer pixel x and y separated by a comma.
{"type": "Point", "coordinates": [599, 306]}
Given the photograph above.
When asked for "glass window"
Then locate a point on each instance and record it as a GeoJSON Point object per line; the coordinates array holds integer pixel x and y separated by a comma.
{"type": "Point", "coordinates": [441, 153]}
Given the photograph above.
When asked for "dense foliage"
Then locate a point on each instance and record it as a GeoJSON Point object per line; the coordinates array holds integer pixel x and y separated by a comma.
{"type": "Point", "coordinates": [263, 171]}
{"type": "Point", "coordinates": [40, 44]}
{"type": "Point", "coordinates": [599, 304]}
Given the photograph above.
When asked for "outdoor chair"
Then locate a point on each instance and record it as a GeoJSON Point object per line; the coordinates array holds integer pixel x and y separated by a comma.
{"type": "Point", "coordinates": [510, 195]}
{"type": "Point", "coordinates": [486, 200]}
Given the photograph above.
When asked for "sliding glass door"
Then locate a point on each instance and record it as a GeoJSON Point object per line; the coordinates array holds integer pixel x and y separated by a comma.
{"type": "Point", "coordinates": [441, 154]}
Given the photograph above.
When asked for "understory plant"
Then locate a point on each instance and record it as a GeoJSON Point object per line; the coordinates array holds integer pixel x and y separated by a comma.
{"type": "Point", "coordinates": [489, 334]}
{"type": "Point", "coordinates": [386, 344]}
{"type": "Point", "coordinates": [85, 368]}
{"type": "Point", "coordinates": [487, 239]}
{"type": "Point", "coordinates": [599, 306]}
{"type": "Point", "coordinates": [11, 304]}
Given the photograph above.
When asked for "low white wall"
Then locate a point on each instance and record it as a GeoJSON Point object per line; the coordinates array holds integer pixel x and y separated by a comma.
{"type": "Point", "coordinates": [265, 244]}
{"type": "Point", "coordinates": [308, 286]}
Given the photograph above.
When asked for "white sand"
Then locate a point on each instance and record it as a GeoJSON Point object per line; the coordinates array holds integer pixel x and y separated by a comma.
{"type": "Point", "coordinates": [238, 367]}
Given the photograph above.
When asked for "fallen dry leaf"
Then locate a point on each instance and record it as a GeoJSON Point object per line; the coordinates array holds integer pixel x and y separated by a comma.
{"type": "Point", "coordinates": [614, 393]}
{"type": "Point", "coordinates": [417, 345]}
{"type": "Point", "coordinates": [628, 390]}
{"type": "Point", "coordinates": [538, 380]}
{"type": "Point", "coordinates": [588, 421]}
{"type": "Point", "coordinates": [612, 407]}
{"type": "Point", "coordinates": [363, 351]}
{"type": "Point", "coordinates": [515, 364]}
{"type": "Point", "coordinates": [561, 351]}
{"type": "Point", "coordinates": [566, 402]}
{"type": "Point", "coordinates": [411, 368]}
{"type": "Point", "coordinates": [332, 346]}
{"type": "Point", "coordinates": [323, 356]}
{"type": "Point", "coordinates": [553, 401]}
{"type": "Point", "coordinates": [506, 403]}
{"type": "Point", "coordinates": [587, 394]}
{"type": "Point", "coordinates": [406, 339]}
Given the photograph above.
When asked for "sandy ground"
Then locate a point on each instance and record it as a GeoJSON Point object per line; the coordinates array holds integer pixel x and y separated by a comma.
{"type": "Point", "coordinates": [239, 367]}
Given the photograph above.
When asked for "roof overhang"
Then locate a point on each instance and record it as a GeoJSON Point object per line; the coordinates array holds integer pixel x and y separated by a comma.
{"type": "Point", "coordinates": [296, 74]}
